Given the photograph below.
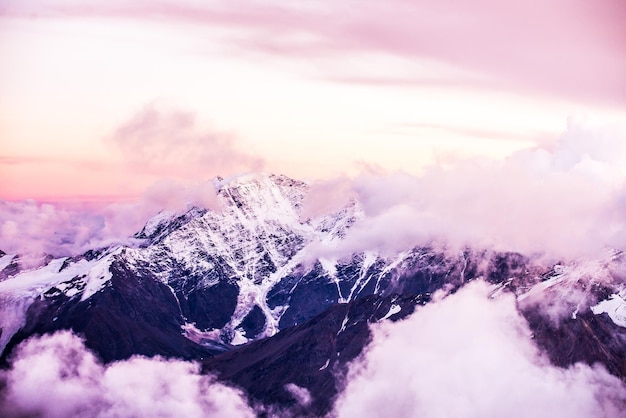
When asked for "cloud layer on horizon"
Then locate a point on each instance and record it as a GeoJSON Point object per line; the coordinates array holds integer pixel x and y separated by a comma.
{"type": "Point", "coordinates": [35, 228]}
{"type": "Point", "coordinates": [165, 146]}
{"type": "Point", "coordinates": [563, 202]}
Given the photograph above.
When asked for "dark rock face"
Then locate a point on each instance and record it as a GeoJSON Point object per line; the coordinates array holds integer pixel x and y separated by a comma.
{"type": "Point", "coordinates": [424, 271]}
{"type": "Point", "coordinates": [253, 323]}
{"type": "Point", "coordinates": [588, 339]}
{"type": "Point", "coordinates": [311, 296]}
{"type": "Point", "coordinates": [11, 270]}
{"type": "Point", "coordinates": [131, 315]}
{"type": "Point", "coordinates": [313, 355]}
{"type": "Point", "coordinates": [210, 307]}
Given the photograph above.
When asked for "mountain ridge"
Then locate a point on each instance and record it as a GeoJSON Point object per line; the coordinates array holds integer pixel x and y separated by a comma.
{"type": "Point", "coordinates": [207, 284]}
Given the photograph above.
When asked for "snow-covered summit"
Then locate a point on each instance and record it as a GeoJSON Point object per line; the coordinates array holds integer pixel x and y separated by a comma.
{"type": "Point", "coordinates": [254, 240]}
{"type": "Point", "coordinates": [245, 270]}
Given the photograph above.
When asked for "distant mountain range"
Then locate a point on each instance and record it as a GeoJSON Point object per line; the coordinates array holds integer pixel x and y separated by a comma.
{"type": "Point", "coordinates": [242, 290]}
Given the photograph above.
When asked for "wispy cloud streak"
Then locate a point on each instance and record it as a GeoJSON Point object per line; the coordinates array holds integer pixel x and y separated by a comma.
{"type": "Point", "coordinates": [169, 142]}
{"type": "Point", "coordinates": [570, 49]}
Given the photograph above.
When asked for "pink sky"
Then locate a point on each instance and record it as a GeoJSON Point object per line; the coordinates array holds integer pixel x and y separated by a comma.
{"type": "Point", "coordinates": [101, 99]}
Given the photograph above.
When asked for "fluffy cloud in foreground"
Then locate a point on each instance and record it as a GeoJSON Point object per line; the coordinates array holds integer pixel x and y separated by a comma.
{"type": "Point", "coordinates": [563, 202]}
{"type": "Point", "coordinates": [465, 355]}
{"type": "Point", "coordinates": [471, 356]}
{"type": "Point", "coordinates": [55, 376]}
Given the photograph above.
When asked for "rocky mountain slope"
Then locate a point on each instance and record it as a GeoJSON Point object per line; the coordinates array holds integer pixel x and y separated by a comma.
{"type": "Point", "coordinates": [204, 282]}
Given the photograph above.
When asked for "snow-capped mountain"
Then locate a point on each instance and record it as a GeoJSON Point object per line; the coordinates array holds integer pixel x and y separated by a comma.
{"type": "Point", "coordinates": [204, 281]}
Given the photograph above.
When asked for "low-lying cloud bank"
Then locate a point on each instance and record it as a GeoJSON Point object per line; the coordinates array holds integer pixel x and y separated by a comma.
{"type": "Point", "coordinates": [32, 228]}
{"type": "Point", "coordinates": [56, 377]}
{"type": "Point", "coordinates": [466, 355]}
{"type": "Point", "coordinates": [471, 356]}
{"type": "Point", "coordinates": [563, 202]}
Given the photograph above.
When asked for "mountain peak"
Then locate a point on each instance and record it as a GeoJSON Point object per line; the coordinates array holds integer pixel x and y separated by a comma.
{"type": "Point", "coordinates": [204, 281]}
{"type": "Point", "coordinates": [254, 177]}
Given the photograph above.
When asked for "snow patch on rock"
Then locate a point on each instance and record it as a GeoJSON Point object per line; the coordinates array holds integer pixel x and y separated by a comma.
{"type": "Point", "coordinates": [615, 307]}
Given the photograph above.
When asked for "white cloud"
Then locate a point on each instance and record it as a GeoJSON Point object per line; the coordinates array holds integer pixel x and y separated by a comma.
{"type": "Point", "coordinates": [300, 394]}
{"type": "Point", "coordinates": [30, 227]}
{"type": "Point", "coordinates": [564, 202]}
{"type": "Point", "coordinates": [161, 140]}
{"type": "Point", "coordinates": [471, 356]}
{"type": "Point", "coordinates": [55, 376]}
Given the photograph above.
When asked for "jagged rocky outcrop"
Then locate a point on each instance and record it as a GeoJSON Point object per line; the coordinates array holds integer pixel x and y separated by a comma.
{"type": "Point", "coordinates": [132, 315]}
{"type": "Point", "coordinates": [313, 355]}
{"type": "Point", "coordinates": [228, 276]}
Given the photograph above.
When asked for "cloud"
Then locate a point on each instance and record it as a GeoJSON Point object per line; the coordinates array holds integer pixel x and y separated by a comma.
{"type": "Point", "coordinates": [170, 143]}
{"type": "Point", "coordinates": [29, 227]}
{"type": "Point", "coordinates": [159, 146]}
{"type": "Point", "coordinates": [477, 133]}
{"type": "Point", "coordinates": [326, 196]}
{"type": "Point", "coordinates": [155, 143]}
{"type": "Point", "coordinates": [56, 376]}
{"type": "Point", "coordinates": [126, 218]}
{"type": "Point", "coordinates": [467, 356]}
{"type": "Point", "coordinates": [300, 394]}
{"type": "Point", "coordinates": [512, 45]}
{"type": "Point", "coordinates": [33, 228]}
{"type": "Point", "coordinates": [563, 202]}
